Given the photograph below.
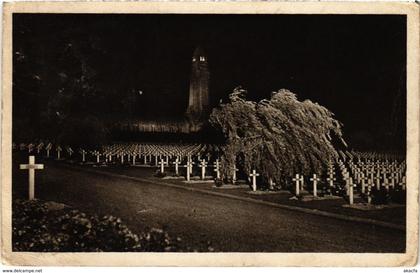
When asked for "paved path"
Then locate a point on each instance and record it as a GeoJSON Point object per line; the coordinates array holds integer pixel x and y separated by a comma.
{"type": "Point", "coordinates": [230, 225]}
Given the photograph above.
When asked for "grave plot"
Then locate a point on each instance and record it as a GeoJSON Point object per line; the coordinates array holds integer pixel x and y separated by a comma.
{"type": "Point", "coordinates": [367, 181]}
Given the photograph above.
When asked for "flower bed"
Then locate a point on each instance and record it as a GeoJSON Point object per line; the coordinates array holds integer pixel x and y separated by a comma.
{"type": "Point", "coordinates": [40, 226]}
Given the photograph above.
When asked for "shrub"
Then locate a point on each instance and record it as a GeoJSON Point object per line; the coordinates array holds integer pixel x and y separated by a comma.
{"type": "Point", "coordinates": [36, 227]}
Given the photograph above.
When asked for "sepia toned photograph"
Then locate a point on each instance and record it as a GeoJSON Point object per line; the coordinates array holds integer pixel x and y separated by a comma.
{"type": "Point", "coordinates": [165, 132]}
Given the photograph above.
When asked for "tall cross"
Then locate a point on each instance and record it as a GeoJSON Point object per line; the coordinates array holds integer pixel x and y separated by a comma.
{"type": "Point", "coordinates": [315, 181]}
{"type": "Point", "coordinates": [254, 175]}
{"type": "Point", "coordinates": [31, 167]}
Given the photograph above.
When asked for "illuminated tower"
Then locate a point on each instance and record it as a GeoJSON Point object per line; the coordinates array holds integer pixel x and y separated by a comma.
{"type": "Point", "coordinates": [198, 104]}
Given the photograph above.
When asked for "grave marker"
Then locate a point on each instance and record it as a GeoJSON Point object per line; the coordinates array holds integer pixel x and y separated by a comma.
{"type": "Point", "coordinates": [315, 181]}
{"type": "Point", "coordinates": [216, 169]}
{"type": "Point", "coordinates": [176, 162]}
{"type": "Point", "coordinates": [31, 167]}
{"type": "Point", "coordinates": [203, 166]}
{"type": "Point", "coordinates": [254, 175]}
{"type": "Point", "coordinates": [298, 180]}
{"type": "Point", "coordinates": [58, 149]}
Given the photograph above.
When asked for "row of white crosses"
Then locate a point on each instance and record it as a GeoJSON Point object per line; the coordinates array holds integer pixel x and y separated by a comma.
{"type": "Point", "coordinates": [373, 170]}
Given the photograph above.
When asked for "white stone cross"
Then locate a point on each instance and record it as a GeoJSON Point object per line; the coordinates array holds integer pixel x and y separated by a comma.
{"type": "Point", "coordinates": [176, 162]}
{"type": "Point", "coordinates": [298, 179]}
{"type": "Point", "coordinates": [97, 154]}
{"type": "Point", "coordinates": [369, 189]}
{"type": "Point", "coordinates": [83, 152]}
{"type": "Point", "coordinates": [315, 181]}
{"type": "Point", "coordinates": [162, 165]}
{"type": "Point", "coordinates": [351, 185]}
{"type": "Point", "coordinates": [362, 180]}
{"type": "Point", "coordinates": [70, 150]}
{"type": "Point", "coordinates": [30, 147]}
{"type": "Point", "coordinates": [270, 184]}
{"type": "Point", "coordinates": [216, 168]}
{"type": "Point", "coordinates": [402, 183]}
{"type": "Point", "coordinates": [234, 170]}
{"type": "Point", "coordinates": [48, 148]}
{"type": "Point", "coordinates": [393, 178]}
{"type": "Point", "coordinates": [58, 152]}
{"type": "Point", "coordinates": [31, 167]}
{"type": "Point", "coordinates": [189, 166]}
{"type": "Point", "coordinates": [39, 147]}
{"type": "Point", "coordinates": [254, 175]}
{"type": "Point", "coordinates": [385, 183]}
{"type": "Point", "coordinates": [331, 179]}
{"type": "Point", "coordinates": [203, 166]}
{"type": "Point", "coordinates": [377, 178]}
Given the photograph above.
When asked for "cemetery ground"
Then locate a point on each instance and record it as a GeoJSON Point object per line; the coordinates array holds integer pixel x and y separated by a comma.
{"type": "Point", "coordinates": [227, 224]}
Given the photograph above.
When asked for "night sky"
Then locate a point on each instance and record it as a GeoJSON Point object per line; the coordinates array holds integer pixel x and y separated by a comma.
{"type": "Point", "coordinates": [353, 65]}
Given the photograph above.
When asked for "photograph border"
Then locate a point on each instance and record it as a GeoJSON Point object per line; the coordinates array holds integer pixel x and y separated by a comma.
{"type": "Point", "coordinates": [411, 10]}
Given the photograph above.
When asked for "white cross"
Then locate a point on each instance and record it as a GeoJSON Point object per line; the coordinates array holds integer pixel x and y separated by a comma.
{"type": "Point", "coordinates": [216, 169]}
{"type": "Point", "coordinates": [369, 197]}
{"type": "Point", "coordinates": [234, 170]}
{"type": "Point", "coordinates": [58, 152]}
{"type": "Point", "coordinates": [39, 147]}
{"type": "Point", "coordinates": [315, 180]}
{"type": "Point", "coordinates": [30, 147]}
{"type": "Point", "coordinates": [83, 152]}
{"type": "Point", "coordinates": [351, 185]}
{"type": "Point", "coordinates": [98, 154]}
{"type": "Point", "coordinates": [48, 148]}
{"type": "Point", "coordinates": [162, 165]}
{"type": "Point", "coordinates": [298, 180]}
{"type": "Point", "coordinates": [402, 183]}
{"type": "Point", "coordinates": [203, 166]}
{"type": "Point", "coordinates": [270, 183]}
{"type": "Point", "coordinates": [31, 167]}
{"type": "Point", "coordinates": [331, 179]}
{"type": "Point", "coordinates": [385, 183]}
{"type": "Point", "coordinates": [189, 166]}
{"type": "Point", "coordinates": [176, 162]}
{"type": "Point", "coordinates": [70, 151]}
{"type": "Point", "coordinates": [254, 175]}
{"type": "Point", "coordinates": [378, 180]}
{"type": "Point", "coordinates": [362, 179]}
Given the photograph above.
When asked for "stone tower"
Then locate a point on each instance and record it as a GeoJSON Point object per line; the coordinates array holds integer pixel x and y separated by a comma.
{"type": "Point", "coordinates": [198, 104]}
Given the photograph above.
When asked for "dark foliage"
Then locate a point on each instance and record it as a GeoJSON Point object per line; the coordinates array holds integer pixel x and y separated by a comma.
{"type": "Point", "coordinates": [37, 227]}
{"type": "Point", "coordinates": [278, 137]}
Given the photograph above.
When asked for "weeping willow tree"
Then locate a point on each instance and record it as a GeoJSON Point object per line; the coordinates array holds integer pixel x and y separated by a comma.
{"type": "Point", "coordinates": [278, 137]}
